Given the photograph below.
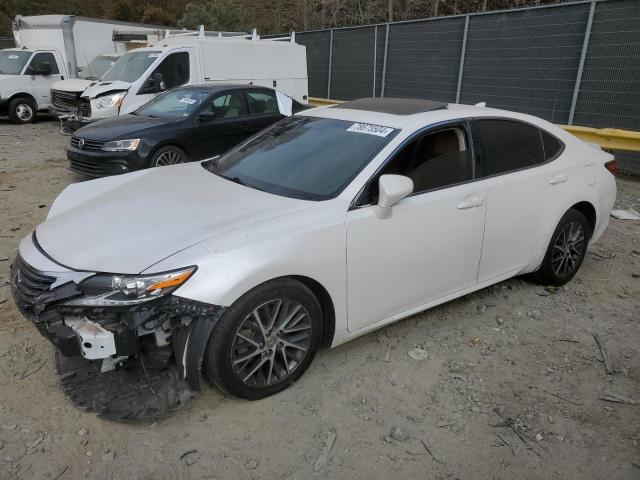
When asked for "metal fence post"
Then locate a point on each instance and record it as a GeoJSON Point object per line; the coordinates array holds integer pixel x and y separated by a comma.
{"type": "Point", "coordinates": [375, 60]}
{"type": "Point", "coordinates": [462, 55]}
{"type": "Point", "coordinates": [384, 62]}
{"type": "Point", "coordinates": [583, 56]}
{"type": "Point", "coordinates": [330, 62]}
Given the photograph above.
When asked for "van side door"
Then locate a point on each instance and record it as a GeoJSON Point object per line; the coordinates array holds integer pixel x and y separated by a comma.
{"type": "Point", "coordinates": [43, 70]}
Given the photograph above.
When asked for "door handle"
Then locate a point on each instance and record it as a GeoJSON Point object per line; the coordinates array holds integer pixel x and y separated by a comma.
{"type": "Point", "coordinates": [244, 126]}
{"type": "Point", "coordinates": [470, 202]}
{"type": "Point", "coordinates": [559, 178]}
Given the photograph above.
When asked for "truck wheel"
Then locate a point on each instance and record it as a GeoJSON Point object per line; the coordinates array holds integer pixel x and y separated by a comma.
{"type": "Point", "coordinates": [22, 110]}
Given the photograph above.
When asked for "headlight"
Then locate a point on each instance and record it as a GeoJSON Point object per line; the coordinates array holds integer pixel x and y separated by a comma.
{"type": "Point", "coordinates": [121, 145]}
{"type": "Point", "coordinates": [119, 290]}
{"type": "Point", "coordinates": [110, 100]}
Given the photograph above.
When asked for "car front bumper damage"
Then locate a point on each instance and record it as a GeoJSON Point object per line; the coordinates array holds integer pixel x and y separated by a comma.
{"type": "Point", "coordinates": [124, 363]}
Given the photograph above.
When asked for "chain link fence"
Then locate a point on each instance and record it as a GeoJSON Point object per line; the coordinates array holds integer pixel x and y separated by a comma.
{"type": "Point", "coordinates": [573, 63]}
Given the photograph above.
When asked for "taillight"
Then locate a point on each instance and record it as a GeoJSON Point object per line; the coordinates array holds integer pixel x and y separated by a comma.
{"type": "Point", "coordinates": [612, 166]}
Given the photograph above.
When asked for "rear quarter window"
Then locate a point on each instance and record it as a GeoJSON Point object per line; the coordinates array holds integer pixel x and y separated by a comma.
{"type": "Point", "coordinates": [509, 145]}
{"type": "Point", "coordinates": [552, 146]}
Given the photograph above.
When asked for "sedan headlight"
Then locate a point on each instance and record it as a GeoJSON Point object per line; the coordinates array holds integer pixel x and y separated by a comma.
{"type": "Point", "coordinates": [103, 290]}
{"type": "Point", "coordinates": [121, 145]}
{"type": "Point", "coordinates": [110, 100]}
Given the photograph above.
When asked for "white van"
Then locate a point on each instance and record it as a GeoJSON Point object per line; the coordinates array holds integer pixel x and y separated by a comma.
{"type": "Point", "coordinates": [195, 58]}
{"type": "Point", "coordinates": [50, 48]}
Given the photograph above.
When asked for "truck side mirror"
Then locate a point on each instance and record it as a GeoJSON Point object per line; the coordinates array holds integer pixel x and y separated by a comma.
{"type": "Point", "coordinates": [153, 84]}
{"type": "Point", "coordinates": [45, 69]}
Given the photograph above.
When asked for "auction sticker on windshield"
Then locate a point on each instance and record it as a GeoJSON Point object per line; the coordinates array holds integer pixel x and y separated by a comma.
{"type": "Point", "coordinates": [377, 130]}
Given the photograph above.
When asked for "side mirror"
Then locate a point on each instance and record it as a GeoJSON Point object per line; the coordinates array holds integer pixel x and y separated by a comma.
{"type": "Point", "coordinates": [206, 117]}
{"type": "Point", "coordinates": [392, 189]}
{"type": "Point", "coordinates": [153, 84]}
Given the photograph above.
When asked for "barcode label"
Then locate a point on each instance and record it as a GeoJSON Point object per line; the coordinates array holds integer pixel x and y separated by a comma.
{"type": "Point", "coordinates": [369, 129]}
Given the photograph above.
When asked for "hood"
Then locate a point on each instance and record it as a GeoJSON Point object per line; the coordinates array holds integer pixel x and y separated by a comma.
{"type": "Point", "coordinates": [73, 85]}
{"type": "Point", "coordinates": [127, 223]}
{"type": "Point", "coordinates": [118, 128]}
{"type": "Point", "coordinates": [95, 89]}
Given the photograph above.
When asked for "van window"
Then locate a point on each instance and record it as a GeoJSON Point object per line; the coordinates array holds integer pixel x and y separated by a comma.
{"type": "Point", "coordinates": [434, 160]}
{"type": "Point", "coordinates": [36, 65]}
{"type": "Point", "coordinates": [174, 70]}
{"type": "Point", "coordinates": [263, 102]}
{"type": "Point", "coordinates": [508, 145]}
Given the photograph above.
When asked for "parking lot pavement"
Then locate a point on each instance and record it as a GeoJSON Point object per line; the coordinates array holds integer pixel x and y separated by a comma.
{"type": "Point", "coordinates": [506, 383]}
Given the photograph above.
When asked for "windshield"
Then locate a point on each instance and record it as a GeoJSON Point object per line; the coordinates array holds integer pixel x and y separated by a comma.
{"type": "Point", "coordinates": [303, 157]}
{"type": "Point", "coordinates": [131, 66]}
{"type": "Point", "coordinates": [97, 67]}
{"type": "Point", "coordinates": [12, 61]}
{"type": "Point", "coordinates": [174, 104]}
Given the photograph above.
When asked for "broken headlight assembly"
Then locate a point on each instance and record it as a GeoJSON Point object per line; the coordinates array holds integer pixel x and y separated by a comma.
{"type": "Point", "coordinates": [110, 100]}
{"type": "Point", "coordinates": [105, 290]}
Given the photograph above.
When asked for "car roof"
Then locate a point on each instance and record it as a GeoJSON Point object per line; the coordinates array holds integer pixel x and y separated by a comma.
{"type": "Point", "coordinates": [423, 114]}
{"type": "Point", "coordinates": [222, 86]}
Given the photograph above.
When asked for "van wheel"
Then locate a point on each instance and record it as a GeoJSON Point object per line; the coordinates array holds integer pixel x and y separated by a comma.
{"type": "Point", "coordinates": [265, 341]}
{"type": "Point", "coordinates": [169, 155]}
{"type": "Point", "coordinates": [566, 250]}
{"type": "Point", "coordinates": [22, 110]}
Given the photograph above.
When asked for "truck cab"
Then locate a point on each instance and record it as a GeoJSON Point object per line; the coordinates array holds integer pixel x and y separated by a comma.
{"type": "Point", "coordinates": [26, 76]}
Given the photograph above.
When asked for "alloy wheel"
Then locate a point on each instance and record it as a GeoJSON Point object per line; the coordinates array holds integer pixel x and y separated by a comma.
{"type": "Point", "coordinates": [24, 112]}
{"type": "Point", "coordinates": [568, 249]}
{"type": "Point", "coordinates": [170, 157]}
{"type": "Point", "coordinates": [271, 342]}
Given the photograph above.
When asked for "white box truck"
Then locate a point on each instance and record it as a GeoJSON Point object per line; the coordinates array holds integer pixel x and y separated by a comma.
{"type": "Point", "coordinates": [193, 58]}
{"type": "Point", "coordinates": [50, 48]}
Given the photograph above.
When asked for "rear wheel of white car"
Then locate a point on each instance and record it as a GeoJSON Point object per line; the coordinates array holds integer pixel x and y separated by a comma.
{"type": "Point", "coordinates": [22, 110]}
{"type": "Point", "coordinates": [566, 251]}
{"type": "Point", "coordinates": [265, 341]}
{"type": "Point", "coordinates": [169, 155]}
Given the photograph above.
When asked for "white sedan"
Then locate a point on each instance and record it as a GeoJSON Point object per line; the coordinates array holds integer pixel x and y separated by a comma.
{"type": "Point", "coordinates": [328, 225]}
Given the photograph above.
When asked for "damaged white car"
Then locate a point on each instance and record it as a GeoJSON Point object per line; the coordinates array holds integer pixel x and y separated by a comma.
{"type": "Point", "coordinates": [323, 227]}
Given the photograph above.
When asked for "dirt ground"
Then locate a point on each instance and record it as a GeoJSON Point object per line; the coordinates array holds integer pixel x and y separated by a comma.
{"type": "Point", "coordinates": [514, 348]}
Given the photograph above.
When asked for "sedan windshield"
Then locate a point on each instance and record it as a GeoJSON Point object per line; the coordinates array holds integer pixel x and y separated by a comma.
{"type": "Point", "coordinates": [131, 66]}
{"type": "Point", "coordinates": [97, 67]}
{"type": "Point", "coordinates": [13, 61]}
{"type": "Point", "coordinates": [303, 157]}
{"type": "Point", "coordinates": [174, 104]}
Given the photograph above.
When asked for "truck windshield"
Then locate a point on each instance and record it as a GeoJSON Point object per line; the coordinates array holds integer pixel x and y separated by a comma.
{"type": "Point", "coordinates": [303, 157]}
{"type": "Point", "coordinates": [131, 66]}
{"type": "Point", "coordinates": [97, 67]}
{"type": "Point", "coordinates": [13, 61]}
{"type": "Point", "coordinates": [174, 104]}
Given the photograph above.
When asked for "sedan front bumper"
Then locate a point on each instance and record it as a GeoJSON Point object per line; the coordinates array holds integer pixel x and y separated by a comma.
{"type": "Point", "coordinates": [95, 163]}
{"type": "Point", "coordinates": [167, 336]}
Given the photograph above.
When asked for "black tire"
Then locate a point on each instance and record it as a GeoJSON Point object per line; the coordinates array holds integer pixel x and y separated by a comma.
{"type": "Point", "coordinates": [163, 154]}
{"type": "Point", "coordinates": [561, 263]}
{"type": "Point", "coordinates": [224, 345]}
{"type": "Point", "coordinates": [22, 110]}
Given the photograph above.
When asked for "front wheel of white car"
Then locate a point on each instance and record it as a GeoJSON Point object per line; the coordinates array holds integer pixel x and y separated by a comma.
{"type": "Point", "coordinates": [265, 341]}
{"type": "Point", "coordinates": [566, 250]}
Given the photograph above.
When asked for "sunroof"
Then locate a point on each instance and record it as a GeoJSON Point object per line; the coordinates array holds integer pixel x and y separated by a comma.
{"type": "Point", "coordinates": [394, 106]}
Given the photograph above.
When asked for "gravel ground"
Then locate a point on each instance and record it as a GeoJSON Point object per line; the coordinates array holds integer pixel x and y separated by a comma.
{"type": "Point", "coordinates": [511, 385]}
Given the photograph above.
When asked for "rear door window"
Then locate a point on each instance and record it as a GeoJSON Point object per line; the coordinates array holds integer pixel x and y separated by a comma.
{"type": "Point", "coordinates": [262, 103]}
{"type": "Point", "coordinates": [508, 145]}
